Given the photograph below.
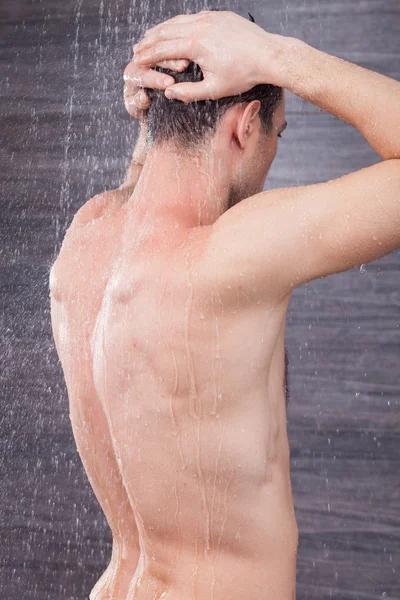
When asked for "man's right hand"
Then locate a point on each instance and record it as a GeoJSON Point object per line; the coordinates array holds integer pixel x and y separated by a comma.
{"type": "Point", "coordinates": [233, 53]}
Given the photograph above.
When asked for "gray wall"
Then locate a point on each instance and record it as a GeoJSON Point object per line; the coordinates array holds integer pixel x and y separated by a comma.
{"type": "Point", "coordinates": [66, 137]}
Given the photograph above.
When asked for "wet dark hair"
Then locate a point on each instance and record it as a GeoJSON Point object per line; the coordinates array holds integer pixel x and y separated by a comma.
{"type": "Point", "coordinates": [186, 126]}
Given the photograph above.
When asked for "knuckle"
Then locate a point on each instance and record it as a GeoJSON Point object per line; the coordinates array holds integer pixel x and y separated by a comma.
{"type": "Point", "coordinates": [160, 32]}
{"type": "Point", "coordinates": [135, 67]}
{"type": "Point", "coordinates": [127, 71]}
{"type": "Point", "coordinates": [131, 72]}
{"type": "Point", "coordinates": [191, 44]}
{"type": "Point", "coordinates": [182, 65]}
{"type": "Point", "coordinates": [206, 19]}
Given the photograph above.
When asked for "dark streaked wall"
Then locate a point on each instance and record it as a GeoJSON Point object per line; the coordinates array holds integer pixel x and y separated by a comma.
{"type": "Point", "coordinates": [65, 136]}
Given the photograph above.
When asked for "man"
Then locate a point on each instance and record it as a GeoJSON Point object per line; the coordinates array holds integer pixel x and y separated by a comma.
{"type": "Point", "coordinates": [169, 300]}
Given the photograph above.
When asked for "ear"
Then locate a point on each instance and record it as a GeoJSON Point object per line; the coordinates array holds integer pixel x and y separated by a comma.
{"type": "Point", "coordinates": [246, 123]}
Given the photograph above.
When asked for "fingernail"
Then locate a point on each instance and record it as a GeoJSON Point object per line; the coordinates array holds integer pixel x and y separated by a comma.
{"type": "Point", "coordinates": [167, 81]}
{"type": "Point", "coordinates": [169, 94]}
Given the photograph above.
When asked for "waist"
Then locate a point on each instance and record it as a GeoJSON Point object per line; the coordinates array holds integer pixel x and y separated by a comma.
{"type": "Point", "coordinates": [218, 576]}
{"type": "Point", "coordinates": [235, 550]}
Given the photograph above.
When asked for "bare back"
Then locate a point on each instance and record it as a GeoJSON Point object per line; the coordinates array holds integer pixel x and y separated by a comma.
{"type": "Point", "coordinates": [177, 401]}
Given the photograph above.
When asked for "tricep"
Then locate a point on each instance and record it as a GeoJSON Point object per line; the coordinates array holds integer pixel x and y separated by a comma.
{"type": "Point", "coordinates": [283, 238]}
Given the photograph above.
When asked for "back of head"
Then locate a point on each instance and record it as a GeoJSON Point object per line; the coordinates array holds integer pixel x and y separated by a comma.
{"type": "Point", "coordinates": [188, 126]}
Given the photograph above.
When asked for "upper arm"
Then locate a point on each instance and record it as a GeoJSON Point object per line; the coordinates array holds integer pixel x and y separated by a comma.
{"type": "Point", "coordinates": [283, 238]}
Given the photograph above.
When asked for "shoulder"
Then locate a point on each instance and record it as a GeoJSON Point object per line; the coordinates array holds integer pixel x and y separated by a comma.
{"type": "Point", "coordinates": [97, 207]}
{"type": "Point", "coordinates": [241, 247]}
{"type": "Point", "coordinates": [101, 205]}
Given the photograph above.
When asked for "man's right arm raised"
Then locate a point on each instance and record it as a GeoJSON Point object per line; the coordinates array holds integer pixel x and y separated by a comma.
{"type": "Point", "coordinates": [286, 237]}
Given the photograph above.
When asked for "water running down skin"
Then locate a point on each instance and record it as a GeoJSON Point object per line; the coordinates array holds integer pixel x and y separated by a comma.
{"type": "Point", "coordinates": [168, 313]}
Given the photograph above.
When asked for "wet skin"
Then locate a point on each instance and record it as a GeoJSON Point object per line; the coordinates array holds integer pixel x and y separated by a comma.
{"type": "Point", "coordinates": [195, 483]}
{"type": "Point", "coordinates": [176, 385]}
{"type": "Point", "coordinates": [171, 332]}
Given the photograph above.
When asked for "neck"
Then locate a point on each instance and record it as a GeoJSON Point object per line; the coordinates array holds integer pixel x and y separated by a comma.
{"type": "Point", "coordinates": [183, 190]}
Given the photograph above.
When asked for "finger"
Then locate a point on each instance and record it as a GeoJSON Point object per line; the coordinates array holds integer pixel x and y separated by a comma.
{"type": "Point", "coordinates": [174, 65]}
{"type": "Point", "coordinates": [146, 77]}
{"type": "Point", "coordinates": [139, 98]}
{"type": "Point", "coordinates": [192, 92]}
{"type": "Point", "coordinates": [176, 27]}
{"type": "Point", "coordinates": [137, 104]}
{"type": "Point", "coordinates": [172, 49]}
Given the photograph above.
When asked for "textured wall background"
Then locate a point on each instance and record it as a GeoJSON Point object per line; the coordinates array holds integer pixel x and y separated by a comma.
{"type": "Point", "coordinates": [65, 137]}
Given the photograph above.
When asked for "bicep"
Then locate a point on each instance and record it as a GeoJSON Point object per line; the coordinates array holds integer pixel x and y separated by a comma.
{"type": "Point", "coordinates": [287, 237]}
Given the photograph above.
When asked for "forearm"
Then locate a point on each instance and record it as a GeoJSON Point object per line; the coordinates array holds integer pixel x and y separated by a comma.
{"type": "Point", "coordinates": [138, 157]}
{"type": "Point", "coordinates": [367, 100]}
